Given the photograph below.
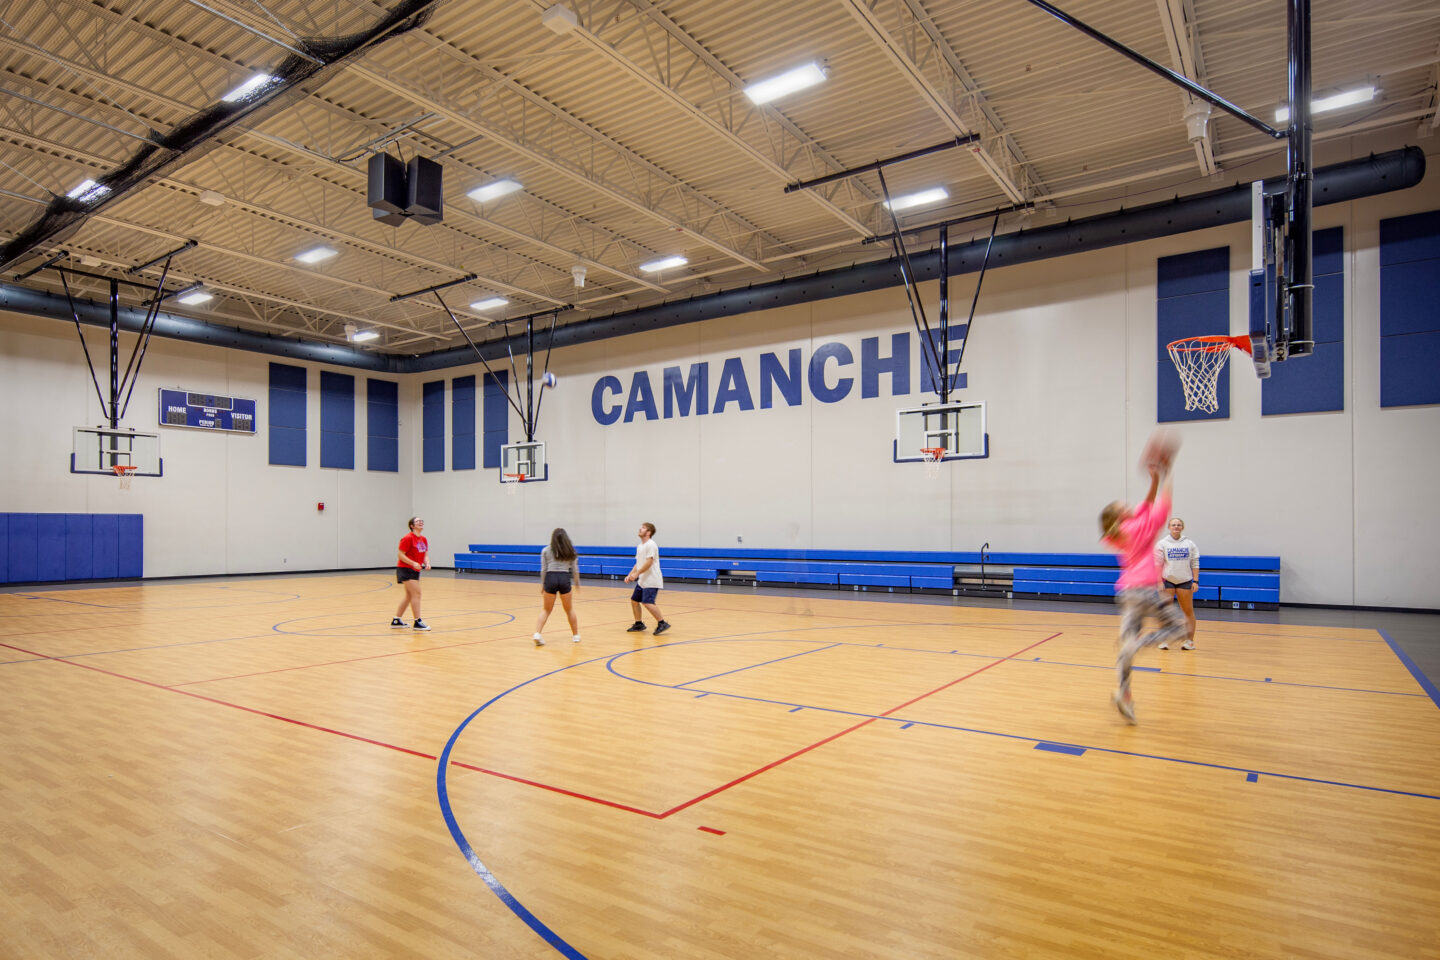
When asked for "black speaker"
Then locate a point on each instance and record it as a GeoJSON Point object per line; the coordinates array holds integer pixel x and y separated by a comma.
{"type": "Point", "coordinates": [386, 191]}
{"type": "Point", "coordinates": [425, 191]}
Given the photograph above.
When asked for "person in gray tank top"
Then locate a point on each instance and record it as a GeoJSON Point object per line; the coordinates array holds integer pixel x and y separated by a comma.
{"type": "Point", "coordinates": [559, 576]}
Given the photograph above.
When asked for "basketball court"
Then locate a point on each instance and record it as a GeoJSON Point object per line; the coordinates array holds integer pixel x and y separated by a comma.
{"type": "Point", "coordinates": [278, 275]}
{"type": "Point", "coordinates": [255, 763]}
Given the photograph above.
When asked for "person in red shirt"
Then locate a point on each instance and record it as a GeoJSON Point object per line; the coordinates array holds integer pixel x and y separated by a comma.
{"type": "Point", "coordinates": [412, 558]}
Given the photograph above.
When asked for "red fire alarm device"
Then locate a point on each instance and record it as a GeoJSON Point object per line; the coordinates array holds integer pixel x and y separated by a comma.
{"type": "Point", "coordinates": [320, 506]}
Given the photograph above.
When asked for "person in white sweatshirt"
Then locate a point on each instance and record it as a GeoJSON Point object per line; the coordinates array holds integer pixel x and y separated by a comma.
{"type": "Point", "coordinates": [1179, 561]}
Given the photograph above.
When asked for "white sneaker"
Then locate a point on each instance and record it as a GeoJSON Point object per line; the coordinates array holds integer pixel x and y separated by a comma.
{"type": "Point", "coordinates": [1188, 645]}
{"type": "Point", "coordinates": [1124, 704]}
{"type": "Point", "coordinates": [1164, 646]}
{"type": "Point", "coordinates": [575, 639]}
{"type": "Point", "coordinates": [539, 640]}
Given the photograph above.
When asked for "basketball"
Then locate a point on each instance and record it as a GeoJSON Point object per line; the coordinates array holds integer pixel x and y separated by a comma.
{"type": "Point", "coordinates": [548, 379]}
{"type": "Point", "coordinates": [1160, 450]}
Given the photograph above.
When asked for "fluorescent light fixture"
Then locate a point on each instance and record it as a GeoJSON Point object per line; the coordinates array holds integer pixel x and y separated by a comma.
{"type": "Point", "coordinates": [87, 191]}
{"type": "Point", "coordinates": [655, 266]}
{"type": "Point", "coordinates": [362, 335]}
{"type": "Point", "coordinates": [933, 195]}
{"type": "Point", "coordinates": [248, 88]}
{"type": "Point", "coordinates": [195, 297]}
{"type": "Point", "coordinates": [1340, 100]}
{"type": "Point", "coordinates": [489, 304]}
{"type": "Point", "coordinates": [493, 190]}
{"type": "Point", "coordinates": [786, 83]}
{"type": "Point", "coordinates": [315, 254]}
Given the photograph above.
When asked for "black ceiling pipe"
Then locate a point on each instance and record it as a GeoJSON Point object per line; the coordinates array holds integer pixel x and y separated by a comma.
{"type": "Point", "coordinates": [1338, 183]}
{"type": "Point", "coordinates": [41, 304]}
{"type": "Point", "coordinates": [296, 78]}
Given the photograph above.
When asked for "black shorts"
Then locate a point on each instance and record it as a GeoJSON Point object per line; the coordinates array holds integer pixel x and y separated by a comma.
{"type": "Point", "coordinates": [406, 573]}
{"type": "Point", "coordinates": [645, 594]}
{"type": "Point", "coordinates": [1187, 585]}
{"type": "Point", "coordinates": [557, 581]}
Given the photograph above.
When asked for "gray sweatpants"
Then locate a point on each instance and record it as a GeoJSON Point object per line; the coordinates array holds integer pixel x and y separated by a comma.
{"type": "Point", "coordinates": [1136, 604]}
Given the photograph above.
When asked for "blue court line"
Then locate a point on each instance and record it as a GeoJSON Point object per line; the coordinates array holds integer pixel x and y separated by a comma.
{"type": "Point", "coordinates": [995, 733]}
{"type": "Point", "coordinates": [442, 791]}
{"type": "Point", "coordinates": [1060, 748]}
{"type": "Point", "coordinates": [752, 666]}
{"type": "Point", "coordinates": [1415, 671]}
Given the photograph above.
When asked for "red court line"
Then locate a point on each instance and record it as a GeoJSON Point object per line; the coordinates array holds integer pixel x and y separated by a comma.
{"type": "Point", "coordinates": [225, 703]}
{"type": "Point", "coordinates": [560, 790]}
{"type": "Point", "coordinates": [515, 779]}
{"type": "Point", "coordinates": [862, 723]}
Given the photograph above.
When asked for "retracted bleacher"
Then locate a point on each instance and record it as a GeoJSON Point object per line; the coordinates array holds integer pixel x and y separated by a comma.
{"type": "Point", "coordinates": [1239, 582]}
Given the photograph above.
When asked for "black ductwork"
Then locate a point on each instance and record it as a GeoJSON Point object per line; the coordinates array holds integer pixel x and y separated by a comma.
{"type": "Point", "coordinates": [1339, 183]}
{"type": "Point", "coordinates": [295, 78]}
{"type": "Point", "coordinates": [39, 303]}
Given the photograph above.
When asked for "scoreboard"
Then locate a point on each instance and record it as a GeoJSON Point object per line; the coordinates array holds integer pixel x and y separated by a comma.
{"type": "Point", "coordinates": [180, 408]}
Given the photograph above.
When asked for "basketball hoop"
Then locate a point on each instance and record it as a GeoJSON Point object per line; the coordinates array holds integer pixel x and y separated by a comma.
{"type": "Point", "coordinates": [1199, 361]}
{"type": "Point", "coordinates": [512, 481]}
{"type": "Point", "coordinates": [934, 456]}
{"type": "Point", "coordinates": [126, 473]}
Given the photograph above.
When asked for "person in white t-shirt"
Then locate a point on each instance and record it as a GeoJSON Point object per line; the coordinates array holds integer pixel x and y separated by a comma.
{"type": "Point", "coordinates": [1179, 561]}
{"type": "Point", "coordinates": [648, 580]}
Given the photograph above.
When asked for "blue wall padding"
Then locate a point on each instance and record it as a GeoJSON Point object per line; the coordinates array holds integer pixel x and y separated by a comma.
{"type": "Point", "coordinates": [130, 539]}
{"type": "Point", "coordinates": [432, 426]}
{"type": "Point", "coordinates": [24, 557]}
{"type": "Point", "coordinates": [79, 546]}
{"type": "Point", "coordinates": [382, 425]}
{"type": "Point", "coordinates": [337, 420]}
{"type": "Point", "coordinates": [50, 547]}
{"type": "Point", "coordinates": [106, 546]}
{"type": "Point", "coordinates": [56, 547]}
{"type": "Point", "coordinates": [287, 415]}
{"type": "Point", "coordinates": [1409, 321]}
{"type": "Point", "coordinates": [462, 423]}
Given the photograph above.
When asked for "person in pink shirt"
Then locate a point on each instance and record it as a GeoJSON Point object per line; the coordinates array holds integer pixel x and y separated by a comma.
{"type": "Point", "coordinates": [1132, 532]}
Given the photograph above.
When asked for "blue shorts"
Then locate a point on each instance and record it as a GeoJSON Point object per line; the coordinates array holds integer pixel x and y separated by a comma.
{"type": "Point", "coordinates": [644, 594]}
{"type": "Point", "coordinates": [1187, 585]}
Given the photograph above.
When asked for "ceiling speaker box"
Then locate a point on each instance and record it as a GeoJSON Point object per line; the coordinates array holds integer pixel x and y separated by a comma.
{"type": "Point", "coordinates": [425, 191]}
{"type": "Point", "coordinates": [386, 190]}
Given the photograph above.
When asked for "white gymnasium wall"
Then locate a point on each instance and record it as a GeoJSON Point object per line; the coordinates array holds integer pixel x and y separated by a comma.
{"type": "Point", "coordinates": [220, 507]}
{"type": "Point", "coordinates": [1063, 353]}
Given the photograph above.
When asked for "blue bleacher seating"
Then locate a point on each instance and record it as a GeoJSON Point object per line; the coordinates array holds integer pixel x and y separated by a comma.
{"type": "Point", "coordinates": [1237, 581]}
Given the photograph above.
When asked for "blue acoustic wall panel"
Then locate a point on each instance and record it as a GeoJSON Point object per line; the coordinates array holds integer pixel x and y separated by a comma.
{"type": "Point", "coordinates": [337, 420]}
{"type": "Point", "coordinates": [1316, 383]}
{"type": "Point", "coordinates": [382, 425]}
{"type": "Point", "coordinates": [1192, 293]}
{"type": "Point", "coordinates": [462, 423]}
{"type": "Point", "coordinates": [497, 416]}
{"type": "Point", "coordinates": [1409, 318]}
{"type": "Point", "coordinates": [287, 415]}
{"type": "Point", "coordinates": [130, 545]}
{"type": "Point", "coordinates": [432, 426]}
{"type": "Point", "coordinates": [4, 548]}
{"type": "Point", "coordinates": [79, 546]}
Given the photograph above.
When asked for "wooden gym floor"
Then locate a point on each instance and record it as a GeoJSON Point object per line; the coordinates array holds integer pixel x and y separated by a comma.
{"type": "Point", "coordinates": [260, 767]}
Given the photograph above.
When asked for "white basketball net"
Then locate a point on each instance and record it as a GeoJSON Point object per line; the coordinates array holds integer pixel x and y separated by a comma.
{"type": "Point", "coordinates": [934, 456]}
{"type": "Point", "coordinates": [511, 482]}
{"type": "Point", "coordinates": [1199, 361]}
{"type": "Point", "coordinates": [125, 474]}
